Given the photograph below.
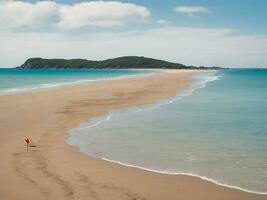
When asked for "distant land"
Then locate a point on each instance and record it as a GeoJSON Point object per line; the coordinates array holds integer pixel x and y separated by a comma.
{"type": "Point", "coordinates": [126, 62]}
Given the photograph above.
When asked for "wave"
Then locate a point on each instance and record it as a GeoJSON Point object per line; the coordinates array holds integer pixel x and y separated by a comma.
{"type": "Point", "coordinates": [44, 86]}
{"type": "Point", "coordinates": [185, 174]}
{"type": "Point", "coordinates": [107, 118]}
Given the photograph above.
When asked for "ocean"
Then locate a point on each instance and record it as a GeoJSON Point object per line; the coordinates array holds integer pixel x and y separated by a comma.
{"type": "Point", "coordinates": [216, 130]}
{"type": "Point", "coordinates": [26, 80]}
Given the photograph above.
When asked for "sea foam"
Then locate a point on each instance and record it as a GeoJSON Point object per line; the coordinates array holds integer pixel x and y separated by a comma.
{"type": "Point", "coordinates": [185, 174]}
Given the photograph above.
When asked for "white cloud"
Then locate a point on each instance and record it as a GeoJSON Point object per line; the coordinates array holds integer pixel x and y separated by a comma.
{"type": "Point", "coordinates": [102, 14]}
{"type": "Point", "coordinates": [191, 9]}
{"type": "Point", "coordinates": [16, 14]}
{"type": "Point", "coordinates": [191, 46]}
{"type": "Point", "coordinates": [22, 14]}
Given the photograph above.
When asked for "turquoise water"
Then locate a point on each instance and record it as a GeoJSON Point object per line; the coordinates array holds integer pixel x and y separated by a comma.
{"type": "Point", "coordinates": [17, 80]}
{"type": "Point", "coordinates": [217, 130]}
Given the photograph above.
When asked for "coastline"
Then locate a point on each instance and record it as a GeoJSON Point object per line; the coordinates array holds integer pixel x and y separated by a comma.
{"type": "Point", "coordinates": [98, 121]}
{"type": "Point", "coordinates": [56, 170]}
{"type": "Point", "coordinates": [56, 85]}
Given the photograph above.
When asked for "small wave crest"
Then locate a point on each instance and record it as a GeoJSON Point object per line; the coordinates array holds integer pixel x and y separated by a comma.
{"type": "Point", "coordinates": [185, 174]}
{"type": "Point", "coordinates": [107, 118]}
{"type": "Point", "coordinates": [200, 81]}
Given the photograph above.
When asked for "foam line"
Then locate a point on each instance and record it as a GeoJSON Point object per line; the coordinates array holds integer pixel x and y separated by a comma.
{"type": "Point", "coordinates": [107, 118]}
{"type": "Point", "coordinates": [199, 82]}
{"type": "Point", "coordinates": [186, 174]}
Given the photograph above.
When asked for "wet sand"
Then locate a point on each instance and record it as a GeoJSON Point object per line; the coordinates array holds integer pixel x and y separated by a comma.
{"type": "Point", "coordinates": [55, 170]}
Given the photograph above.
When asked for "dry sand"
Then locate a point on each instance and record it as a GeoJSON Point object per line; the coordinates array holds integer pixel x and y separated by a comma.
{"type": "Point", "coordinates": [54, 170]}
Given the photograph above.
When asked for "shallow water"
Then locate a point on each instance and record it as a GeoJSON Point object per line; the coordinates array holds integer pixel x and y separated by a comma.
{"type": "Point", "coordinates": [24, 80]}
{"type": "Point", "coordinates": [216, 130]}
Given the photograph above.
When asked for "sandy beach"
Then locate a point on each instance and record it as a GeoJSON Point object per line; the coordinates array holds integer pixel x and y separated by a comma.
{"type": "Point", "coordinates": [55, 170]}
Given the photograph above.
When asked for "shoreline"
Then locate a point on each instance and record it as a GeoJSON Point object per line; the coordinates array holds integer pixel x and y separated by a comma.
{"type": "Point", "coordinates": [204, 178]}
{"type": "Point", "coordinates": [55, 169]}
{"type": "Point", "coordinates": [165, 101]}
{"type": "Point", "coordinates": [56, 85]}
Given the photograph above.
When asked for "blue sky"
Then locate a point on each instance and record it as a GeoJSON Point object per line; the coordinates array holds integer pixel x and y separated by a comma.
{"type": "Point", "coordinates": [248, 16]}
{"type": "Point", "coordinates": [229, 33]}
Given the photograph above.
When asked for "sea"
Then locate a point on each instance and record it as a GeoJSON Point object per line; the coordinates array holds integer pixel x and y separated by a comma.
{"type": "Point", "coordinates": [28, 80]}
{"type": "Point", "coordinates": [216, 130]}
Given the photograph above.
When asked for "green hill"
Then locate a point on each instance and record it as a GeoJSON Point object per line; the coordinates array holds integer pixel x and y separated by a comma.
{"type": "Point", "coordinates": [126, 62]}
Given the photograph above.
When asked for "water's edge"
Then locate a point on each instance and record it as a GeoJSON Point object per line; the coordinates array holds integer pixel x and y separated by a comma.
{"type": "Point", "coordinates": [56, 85]}
{"type": "Point", "coordinates": [197, 84]}
{"type": "Point", "coordinates": [186, 174]}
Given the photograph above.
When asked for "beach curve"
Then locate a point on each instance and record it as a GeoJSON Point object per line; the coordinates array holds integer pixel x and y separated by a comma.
{"type": "Point", "coordinates": [56, 170]}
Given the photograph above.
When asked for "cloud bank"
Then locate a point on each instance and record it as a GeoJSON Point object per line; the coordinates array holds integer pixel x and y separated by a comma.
{"type": "Point", "coordinates": [19, 14]}
{"type": "Point", "coordinates": [191, 46]}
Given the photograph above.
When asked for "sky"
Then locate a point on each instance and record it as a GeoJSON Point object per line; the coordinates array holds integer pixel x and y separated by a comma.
{"type": "Point", "coordinates": [227, 33]}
